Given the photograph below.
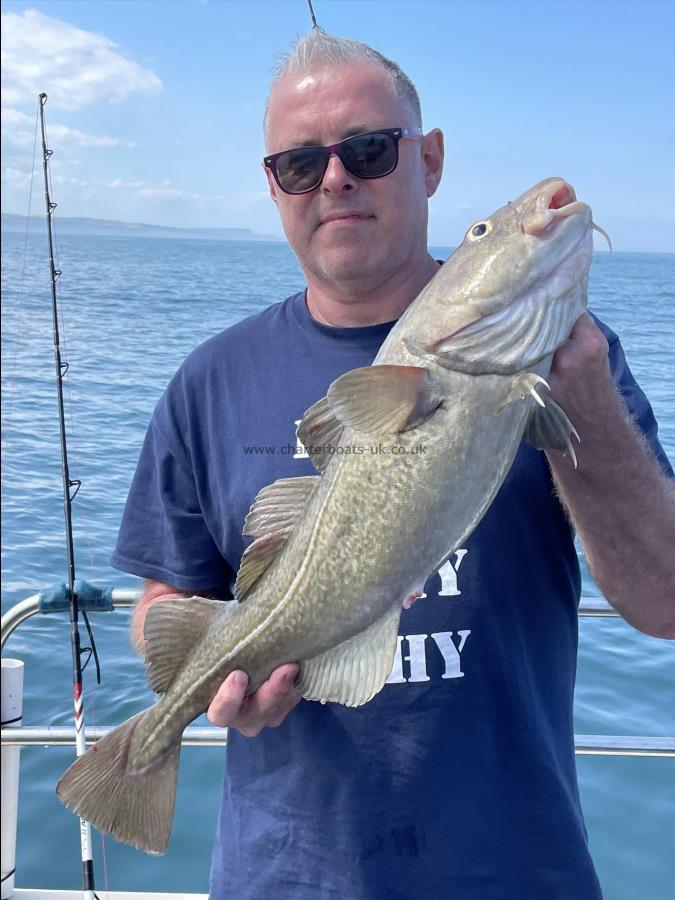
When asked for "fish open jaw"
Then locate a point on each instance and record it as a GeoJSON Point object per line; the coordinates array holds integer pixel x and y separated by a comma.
{"type": "Point", "coordinates": [562, 195]}
{"type": "Point", "coordinates": [556, 200]}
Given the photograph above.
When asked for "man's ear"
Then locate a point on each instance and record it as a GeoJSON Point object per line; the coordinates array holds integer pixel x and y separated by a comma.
{"type": "Point", "coordinates": [271, 182]}
{"type": "Point", "coordinates": [433, 152]}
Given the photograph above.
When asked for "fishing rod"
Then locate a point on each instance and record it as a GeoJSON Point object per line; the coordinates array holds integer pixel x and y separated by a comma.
{"type": "Point", "coordinates": [311, 12]}
{"type": "Point", "coordinates": [70, 489]}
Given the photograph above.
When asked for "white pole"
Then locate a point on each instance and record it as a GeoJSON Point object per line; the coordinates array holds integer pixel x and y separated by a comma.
{"type": "Point", "coordinates": [12, 706]}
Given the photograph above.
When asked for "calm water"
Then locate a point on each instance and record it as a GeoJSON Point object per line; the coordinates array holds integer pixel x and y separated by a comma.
{"type": "Point", "coordinates": [133, 309]}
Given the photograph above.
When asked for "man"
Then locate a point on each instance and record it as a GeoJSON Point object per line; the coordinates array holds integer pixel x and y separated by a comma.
{"type": "Point", "coordinates": [458, 780]}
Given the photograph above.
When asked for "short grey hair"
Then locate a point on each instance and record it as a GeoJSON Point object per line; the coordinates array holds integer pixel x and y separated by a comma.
{"type": "Point", "coordinates": [317, 49]}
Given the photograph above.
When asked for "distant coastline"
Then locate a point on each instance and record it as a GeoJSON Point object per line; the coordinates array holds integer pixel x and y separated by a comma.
{"type": "Point", "coordinates": [111, 228]}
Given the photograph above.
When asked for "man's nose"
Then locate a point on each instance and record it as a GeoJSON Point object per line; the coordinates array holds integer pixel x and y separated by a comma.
{"type": "Point", "coordinates": [336, 178]}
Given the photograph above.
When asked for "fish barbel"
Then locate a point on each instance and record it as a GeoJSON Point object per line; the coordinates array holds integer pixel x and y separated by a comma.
{"type": "Point", "coordinates": [456, 386]}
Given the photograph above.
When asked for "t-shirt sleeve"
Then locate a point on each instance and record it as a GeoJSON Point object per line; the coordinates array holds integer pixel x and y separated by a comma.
{"type": "Point", "coordinates": [633, 396]}
{"type": "Point", "coordinates": [163, 535]}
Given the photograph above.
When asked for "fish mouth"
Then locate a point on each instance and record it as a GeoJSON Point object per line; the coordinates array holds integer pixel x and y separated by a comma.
{"type": "Point", "coordinates": [556, 201]}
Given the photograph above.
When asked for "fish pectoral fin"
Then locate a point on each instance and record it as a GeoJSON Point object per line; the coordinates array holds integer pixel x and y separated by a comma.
{"type": "Point", "coordinates": [549, 427]}
{"type": "Point", "coordinates": [388, 399]}
{"type": "Point", "coordinates": [354, 671]}
{"type": "Point", "coordinates": [525, 385]}
{"type": "Point", "coordinates": [171, 630]}
{"type": "Point", "coordinates": [320, 432]}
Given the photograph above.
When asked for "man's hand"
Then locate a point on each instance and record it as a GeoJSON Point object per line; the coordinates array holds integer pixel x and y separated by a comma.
{"type": "Point", "coordinates": [267, 707]}
{"type": "Point", "coordinates": [620, 502]}
{"type": "Point", "coordinates": [580, 378]}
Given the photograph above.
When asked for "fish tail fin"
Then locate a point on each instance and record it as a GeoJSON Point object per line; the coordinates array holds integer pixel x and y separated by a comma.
{"type": "Point", "coordinates": [135, 806]}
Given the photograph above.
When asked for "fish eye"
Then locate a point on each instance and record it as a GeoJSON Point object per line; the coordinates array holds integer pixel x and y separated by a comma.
{"type": "Point", "coordinates": [479, 230]}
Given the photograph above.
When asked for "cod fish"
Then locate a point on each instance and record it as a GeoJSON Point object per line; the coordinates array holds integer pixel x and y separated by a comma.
{"type": "Point", "coordinates": [457, 385]}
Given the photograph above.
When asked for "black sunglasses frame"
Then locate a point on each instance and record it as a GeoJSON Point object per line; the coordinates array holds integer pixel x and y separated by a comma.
{"type": "Point", "coordinates": [270, 162]}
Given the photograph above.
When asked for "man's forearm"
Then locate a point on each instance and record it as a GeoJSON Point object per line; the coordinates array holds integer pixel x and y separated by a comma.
{"type": "Point", "coordinates": [623, 508]}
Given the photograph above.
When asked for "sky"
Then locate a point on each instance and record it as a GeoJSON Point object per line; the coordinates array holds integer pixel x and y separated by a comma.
{"type": "Point", "coordinates": [155, 106]}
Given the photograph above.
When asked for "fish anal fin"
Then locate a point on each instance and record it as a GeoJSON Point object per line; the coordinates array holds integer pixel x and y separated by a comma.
{"type": "Point", "coordinates": [385, 399]}
{"type": "Point", "coordinates": [356, 670]}
{"type": "Point", "coordinates": [171, 631]}
{"type": "Point", "coordinates": [320, 432]}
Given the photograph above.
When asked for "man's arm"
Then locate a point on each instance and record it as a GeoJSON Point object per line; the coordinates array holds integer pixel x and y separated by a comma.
{"type": "Point", "coordinates": [230, 708]}
{"type": "Point", "coordinates": [619, 500]}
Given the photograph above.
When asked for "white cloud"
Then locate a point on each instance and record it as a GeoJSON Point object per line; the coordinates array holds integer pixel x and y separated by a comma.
{"type": "Point", "coordinates": [77, 67]}
{"type": "Point", "coordinates": [15, 118]}
{"type": "Point", "coordinates": [64, 134]}
{"type": "Point", "coordinates": [146, 188]}
{"type": "Point", "coordinates": [18, 130]}
{"type": "Point", "coordinates": [154, 193]}
{"type": "Point", "coordinates": [128, 185]}
{"type": "Point", "coordinates": [66, 179]}
{"type": "Point", "coordinates": [15, 179]}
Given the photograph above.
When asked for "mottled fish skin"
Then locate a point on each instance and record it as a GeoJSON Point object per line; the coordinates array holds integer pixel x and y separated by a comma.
{"type": "Point", "coordinates": [376, 525]}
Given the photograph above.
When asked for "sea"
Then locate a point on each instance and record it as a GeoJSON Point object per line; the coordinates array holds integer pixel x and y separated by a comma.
{"type": "Point", "coordinates": [131, 309]}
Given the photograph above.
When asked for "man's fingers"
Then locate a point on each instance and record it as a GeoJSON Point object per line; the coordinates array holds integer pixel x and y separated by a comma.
{"type": "Point", "coordinates": [292, 702]}
{"type": "Point", "coordinates": [268, 706]}
{"type": "Point", "coordinates": [273, 693]}
{"type": "Point", "coordinates": [226, 705]}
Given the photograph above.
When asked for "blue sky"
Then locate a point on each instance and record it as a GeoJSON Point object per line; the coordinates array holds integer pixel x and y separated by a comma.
{"type": "Point", "coordinates": [155, 107]}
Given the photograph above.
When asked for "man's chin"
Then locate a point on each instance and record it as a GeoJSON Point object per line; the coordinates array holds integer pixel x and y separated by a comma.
{"type": "Point", "coordinates": [349, 265]}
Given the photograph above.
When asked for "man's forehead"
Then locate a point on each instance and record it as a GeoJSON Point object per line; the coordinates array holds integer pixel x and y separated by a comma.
{"type": "Point", "coordinates": [343, 99]}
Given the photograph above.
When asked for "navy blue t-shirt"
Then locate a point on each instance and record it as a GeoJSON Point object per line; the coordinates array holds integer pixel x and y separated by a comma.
{"type": "Point", "coordinates": [458, 780]}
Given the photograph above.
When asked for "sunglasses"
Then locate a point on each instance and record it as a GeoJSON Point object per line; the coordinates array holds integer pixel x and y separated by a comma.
{"type": "Point", "coordinates": [373, 154]}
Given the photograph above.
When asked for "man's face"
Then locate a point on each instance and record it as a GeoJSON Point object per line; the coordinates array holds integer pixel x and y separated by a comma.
{"type": "Point", "coordinates": [350, 232]}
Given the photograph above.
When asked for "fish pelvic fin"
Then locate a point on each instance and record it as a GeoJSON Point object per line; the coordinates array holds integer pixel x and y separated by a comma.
{"type": "Point", "coordinates": [171, 631]}
{"type": "Point", "coordinates": [356, 670]}
{"type": "Point", "coordinates": [385, 399]}
{"type": "Point", "coordinates": [135, 807]}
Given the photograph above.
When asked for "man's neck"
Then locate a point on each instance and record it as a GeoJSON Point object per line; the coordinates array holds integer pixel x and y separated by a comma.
{"type": "Point", "coordinates": [350, 306]}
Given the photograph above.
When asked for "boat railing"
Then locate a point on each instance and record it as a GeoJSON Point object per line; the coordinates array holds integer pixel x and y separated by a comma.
{"type": "Point", "coordinates": [124, 598]}
{"type": "Point", "coordinates": [107, 599]}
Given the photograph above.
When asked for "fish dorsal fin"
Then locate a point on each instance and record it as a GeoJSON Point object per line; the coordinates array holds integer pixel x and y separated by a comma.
{"type": "Point", "coordinates": [171, 631]}
{"type": "Point", "coordinates": [278, 506]}
{"type": "Point", "coordinates": [272, 517]}
{"type": "Point", "coordinates": [257, 557]}
{"type": "Point", "coordinates": [354, 671]}
{"type": "Point", "coordinates": [385, 399]}
{"type": "Point", "coordinates": [319, 432]}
